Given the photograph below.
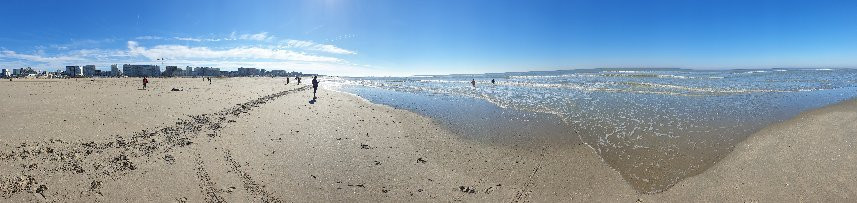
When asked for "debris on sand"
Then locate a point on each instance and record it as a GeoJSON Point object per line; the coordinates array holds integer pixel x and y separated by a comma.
{"type": "Point", "coordinates": [489, 190]}
{"type": "Point", "coordinates": [467, 189]}
{"type": "Point", "coordinates": [421, 160]}
{"type": "Point", "coordinates": [169, 159]}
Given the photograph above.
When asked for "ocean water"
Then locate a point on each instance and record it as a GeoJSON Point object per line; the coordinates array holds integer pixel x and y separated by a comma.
{"type": "Point", "coordinates": [654, 126]}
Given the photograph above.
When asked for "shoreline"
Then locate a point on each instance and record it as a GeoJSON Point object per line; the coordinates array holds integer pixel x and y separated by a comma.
{"type": "Point", "coordinates": [345, 148]}
{"type": "Point", "coordinates": [762, 132]}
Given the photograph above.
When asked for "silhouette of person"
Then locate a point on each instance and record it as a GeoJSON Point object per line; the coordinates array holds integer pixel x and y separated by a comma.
{"type": "Point", "coordinates": [209, 80]}
{"type": "Point", "coordinates": [299, 80]}
{"type": "Point", "coordinates": [314, 86]}
{"type": "Point", "coordinates": [473, 82]}
{"type": "Point", "coordinates": [287, 80]}
{"type": "Point", "coordinates": [492, 81]}
{"type": "Point", "coordinates": [145, 81]}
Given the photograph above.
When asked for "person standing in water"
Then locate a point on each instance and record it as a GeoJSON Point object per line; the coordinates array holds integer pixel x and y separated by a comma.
{"type": "Point", "coordinates": [314, 86]}
{"type": "Point", "coordinates": [492, 81]}
{"type": "Point", "coordinates": [145, 81]}
{"type": "Point", "coordinates": [473, 82]}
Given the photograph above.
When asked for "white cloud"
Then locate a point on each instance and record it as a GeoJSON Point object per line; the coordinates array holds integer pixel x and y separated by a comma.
{"type": "Point", "coordinates": [261, 50]}
{"type": "Point", "coordinates": [255, 53]}
{"type": "Point", "coordinates": [308, 45]}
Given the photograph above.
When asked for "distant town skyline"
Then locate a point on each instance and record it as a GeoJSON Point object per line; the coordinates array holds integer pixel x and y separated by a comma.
{"type": "Point", "coordinates": [386, 37]}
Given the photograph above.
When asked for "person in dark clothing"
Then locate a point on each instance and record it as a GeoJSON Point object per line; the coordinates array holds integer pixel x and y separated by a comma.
{"type": "Point", "coordinates": [287, 80]}
{"type": "Point", "coordinates": [145, 81]}
{"type": "Point", "coordinates": [492, 81]}
{"type": "Point", "coordinates": [314, 86]}
{"type": "Point", "coordinates": [209, 80]}
{"type": "Point", "coordinates": [299, 79]}
{"type": "Point", "coordinates": [473, 82]}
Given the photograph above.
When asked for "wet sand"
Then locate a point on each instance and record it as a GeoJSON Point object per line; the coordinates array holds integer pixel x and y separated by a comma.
{"type": "Point", "coordinates": [255, 139]}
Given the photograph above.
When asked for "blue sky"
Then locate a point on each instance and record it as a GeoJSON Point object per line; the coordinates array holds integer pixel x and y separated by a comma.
{"type": "Point", "coordinates": [404, 37]}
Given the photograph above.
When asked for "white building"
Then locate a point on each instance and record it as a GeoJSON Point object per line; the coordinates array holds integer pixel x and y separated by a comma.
{"type": "Point", "coordinates": [6, 73]}
{"type": "Point", "coordinates": [114, 70]}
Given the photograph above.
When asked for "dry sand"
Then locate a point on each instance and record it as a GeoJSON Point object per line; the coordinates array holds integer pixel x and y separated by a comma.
{"type": "Point", "coordinates": [256, 139]}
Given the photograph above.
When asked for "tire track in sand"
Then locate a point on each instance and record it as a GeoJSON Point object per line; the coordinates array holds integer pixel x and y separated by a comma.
{"type": "Point", "coordinates": [113, 158]}
{"type": "Point", "coordinates": [258, 191]}
{"type": "Point", "coordinates": [206, 186]}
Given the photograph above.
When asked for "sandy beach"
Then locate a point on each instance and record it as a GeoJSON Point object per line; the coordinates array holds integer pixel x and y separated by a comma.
{"type": "Point", "coordinates": [259, 140]}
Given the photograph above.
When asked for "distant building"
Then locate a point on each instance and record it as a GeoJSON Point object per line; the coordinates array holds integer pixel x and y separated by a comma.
{"type": "Point", "coordinates": [188, 71]}
{"type": "Point", "coordinates": [89, 70]}
{"type": "Point", "coordinates": [171, 71]}
{"type": "Point", "coordinates": [141, 70]}
{"type": "Point", "coordinates": [6, 73]}
{"type": "Point", "coordinates": [247, 71]}
{"type": "Point", "coordinates": [208, 71]}
{"type": "Point", "coordinates": [73, 71]}
{"type": "Point", "coordinates": [279, 73]}
{"type": "Point", "coordinates": [114, 70]}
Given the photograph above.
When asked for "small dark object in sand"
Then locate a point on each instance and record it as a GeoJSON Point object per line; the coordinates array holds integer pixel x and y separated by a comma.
{"type": "Point", "coordinates": [364, 146]}
{"type": "Point", "coordinates": [421, 160]}
{"type": "Point", "coordinates": [41, 189]}
{"type": "Point", "coordinates": [467, 189]}
{"type": "Point", "coordinates": [169, 159]}
{"type": "Point", "coordinates": [489, 190]}
{"type": "Point", "coordinates": [176, 89]}
{"type": "Point", "coordinates": [94, 185]}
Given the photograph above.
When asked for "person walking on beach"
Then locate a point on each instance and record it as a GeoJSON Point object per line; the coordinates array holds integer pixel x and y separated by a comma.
{"type": "Point", "coordinates": [473, 82]}
{"type": "Point", "coordinates": [299, 79]}
{"type": "Point", "coordinates": [209, 80]}
{"type": "Point", "coordinates": [145, 81]}
{"type": "Point", "coordinates": [314, 86]}
{"type": "Point", "coordinates": [287, 80]}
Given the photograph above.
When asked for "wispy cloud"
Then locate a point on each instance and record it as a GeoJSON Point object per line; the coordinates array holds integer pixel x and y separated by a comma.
{"type": "Point", "coordinates": [38, 58]}
{"type": "Point", "coordinates": [194, 39]}
{"type": "Point", "coordinates": [147, 37]}
{"type": "Point", "coordinates": [309, 45]}
{"type": "Point", "coordinates": [262, 36]}
{"type": "Point", "coordinates": [77, 44]}
{"type": "Point", "coordinates": [249, 53]}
